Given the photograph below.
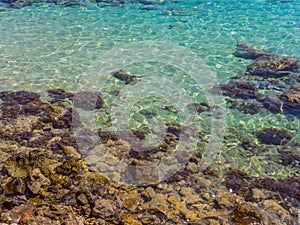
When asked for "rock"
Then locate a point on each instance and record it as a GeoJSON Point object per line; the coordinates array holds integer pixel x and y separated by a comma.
{"type": "Point", "coordinates": [130, 219]}
{"type": "Point", "coordinates": [246, 107]}
{"type": "Point", "coordinates": [104, 208]}
{"type": "Point", "coordinates": [59, 94]}
{"type": "Point", "coordinates": [247, 214]}
{"type": "Point", "coordinates": [227, 199]}
{"type": "Point", "coordinates": [290, 156]}
{"type": "Point", "coordinates": [131, 202]}
{"type": "Point", "coordinates": [258, 194]}
{"type": "Point", "coordinates": [199, 107]}
{"type": "Point", "coordinates": [281, 213]}
{"type": "Point", "coordinates": [287, 103]}
{"type": "Point", "coordinates": [273, 66]}
{"type": "Point", "coordinates": [82, 199]}
{"type": "Point", "coordinates": [192, 167]}
{"type": "Point", "coordinates": [122, 75]}
{"type": "Point", "coordinates": [239, 182]}
{"type": "Point", "coordinates": [38, 182]}
{"type": "Point", "coordinates": [88, 100]}
{"type": "Point", "coordinates": [248, 52]}
{"type": "Point", "coordinates": [272, 103]}
{"type": "Point", "coordinates": [286, 188]}
{"type": "Point", "coordinates": [148, 194]}
{"type": "Point", "coordinates": [15, 186]}
{"type": "Point", "coordinates": [249, 144]}
{"type": "Point", "coordinates": [273, 136]}
{"type": "Point", "coordinates": [21, 212]}
{"type": "Point", "coordinates": [240, 89]}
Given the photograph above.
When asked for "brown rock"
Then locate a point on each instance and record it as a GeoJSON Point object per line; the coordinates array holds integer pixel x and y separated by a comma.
{"type": "Point", "coordinates": [273, 66]}
{"type": "Point", "coordinates": [38, 182]}
{"type": "Point", "coordinates": [148, 194]}
{"type": "Point", "coordinates": [274, 136]}
{"type": "Point", "coordinates": [104, 208]}
{"type": "Point", "coordinates": [130, 219]}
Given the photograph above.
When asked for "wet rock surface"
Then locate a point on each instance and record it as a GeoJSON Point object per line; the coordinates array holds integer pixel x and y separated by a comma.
{"type": "Point", "coordinates": [248, 52]}
{"type": "Point", "coordinates": [273, 136]}
{"type": "Point", "coordinates": [123, 76]}
{"type": "Point", "coordinates": [273, 66]}
{"type": "Point", "coordinates": [45, 179]}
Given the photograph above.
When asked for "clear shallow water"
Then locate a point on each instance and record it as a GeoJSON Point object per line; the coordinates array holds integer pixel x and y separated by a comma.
{"type": "Point", "coordinates": [46, 46]}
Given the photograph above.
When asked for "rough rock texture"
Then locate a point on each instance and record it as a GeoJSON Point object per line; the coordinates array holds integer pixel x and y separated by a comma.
{"type": "Point", "coordinates": [122, 75]}
{"type": "Point", "coordinates": [240, 89]}
{"type": "Point", "coordinates": [273, 136]}
{"type": "Point", "coordinates": [287, 103]}
{"type": "Point", "coordinates": [248, 52]}
{"type": "Point", "coordinates": [273, 66]}
{"type": "Point", "coordinates": [45, 179]}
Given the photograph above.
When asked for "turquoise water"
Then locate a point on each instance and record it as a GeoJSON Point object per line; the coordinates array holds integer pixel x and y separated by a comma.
{"type": "Point", "coordinates": [47, 46]}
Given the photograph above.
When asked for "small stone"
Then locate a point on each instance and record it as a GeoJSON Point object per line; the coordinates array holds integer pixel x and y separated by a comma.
{"type": "Point", "coordinates": [82, 199]}
{"type": "Point", "coordinates": [104, 208]}
{"type": "Point", "coordinates": [148, 194]}
{"type": "Point", "coordinates": [257, 194]}
{"type": "Point", "coordinates": [227, 199]}
{"type": "Point", "coordinates": [202, 182]}
{"type": "Point", "coordinates": [131, 202]}
{"type": "Point", "coordinates": [192, 167]}
{"type": "Point", "coordinates": [186, 191]}
{"type": "Point", "coordinates": [38, 182]}
{"type": "Point", "coordinates": [130, 219]}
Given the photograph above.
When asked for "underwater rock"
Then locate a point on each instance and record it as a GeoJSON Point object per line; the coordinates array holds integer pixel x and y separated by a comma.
{"type": "Point", "coordinates": [199, 107]}
{"type": "Point", "coordinates": [250, 145]}
{"type": "Point", "coordinates": [273, 136]}
{"type": "Point", "coordinates": [248, 52]}
{"type": "Point", "coordinates": [240, 183]}
{"type": "Point", "coordinates": [285, 187]}
{"type": "Point", "coordinates": [290, 156]}
{"type": "Point", "coordinates": [87, 100]}
{"type": "Point", "coordinates": [240, 89]}
{"type": "Point", "coordinates": [59, 94]}
{"type": "Point", "coordinates": [122, 75]}
{"type": "Point", "coordinates": [287, 103]}
{"type": "Point", "coordinates": [19, 97]}
{"type": "Point", "coordinates": [84, 100]}
{"type": "Point", "coordinates": [273, 66]}
{"type": "Point", "coordinates": [272, 103]}
{"type": "Point", "coordinates": [246, 107]}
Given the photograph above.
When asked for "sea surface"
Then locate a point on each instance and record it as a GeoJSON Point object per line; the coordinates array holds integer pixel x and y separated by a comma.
{"type": "Point", "coordinates": [46, 46]}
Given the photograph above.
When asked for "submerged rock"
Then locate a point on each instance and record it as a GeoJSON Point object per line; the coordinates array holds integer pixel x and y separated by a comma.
{"type": "Point", "coordinates": [273, 66]}
{"type": "Point", "coordinates": [240, 89]}
{"type": "Point", "coordinates": [273, 136]}
{"type": "Point", "coordinates": [59, 94]}
{"type": "Point", "coordinates": [248, 52]}
{"type": "Point", "coordinates": [122, 75]}
{"type": "Point", "coordinates": [287, 103]}
{"type": "Point", "coordinates": [199, 107]}
{"type": "Point", "coordinates": [246, 107]}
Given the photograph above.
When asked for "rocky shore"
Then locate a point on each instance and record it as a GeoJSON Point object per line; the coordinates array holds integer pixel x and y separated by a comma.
{"type": "Point", "coordinates": [46, 179]}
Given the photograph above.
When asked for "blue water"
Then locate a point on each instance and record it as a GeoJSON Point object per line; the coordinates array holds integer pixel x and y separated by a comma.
{"type": "Point", "coordinates": [46, 46]}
